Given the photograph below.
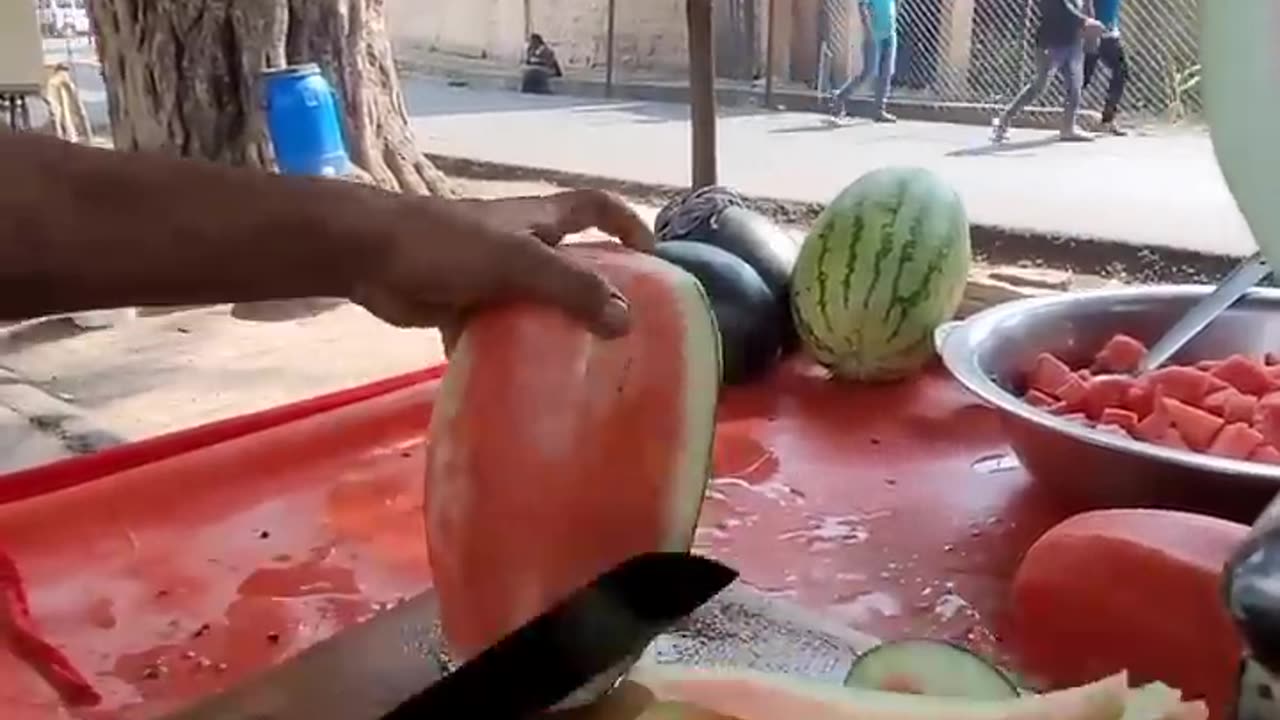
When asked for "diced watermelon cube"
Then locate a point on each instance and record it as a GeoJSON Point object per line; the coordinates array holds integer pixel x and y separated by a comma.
{"type": "Point", "coordinates": [1154, 426]}
{"type": "Point", "coordinates": [1181, 383]}
{"type": "Point", "coordinates": [1240, 408]}
{"type": "Point", "coordinates": [1236, 441]}
{"type": "Point", "coordinates": [1121, 354]}
{"type": "Point", "coordinates": [1119, 417]}
{"type": "Point", "coordinates": [1197, 427]}
{"type": "Point", "coordinates": [1244, 374]}
{"type": "Point", "coordinates": [1266, 418]}
{"type": "Point", "coordinates": [1141, 399]}
{"type": "Point", "coordinates": [1048, 374]}
{"type": "Point", "coordinates": [1072, 392]}
{"type": "Point", "coordinates": [1265, 454]}
{"type": "Point", "coordinates": [1215, 384]}
{"type": "Point", "coordinates": [1106, 391]}
{"type": "Point", "coordinates": [1273, 374]}
{"type": "Point", "coordinates": [1035, 398]}
{"type": "Point", "coordinates": [1085, 375]}
{"type": "Point", "coordinates": [1172, 439]}
{"type": "Point", "coordinates": [1217, 401]}
{"type": "Point", "coordinates": [1112, 430]}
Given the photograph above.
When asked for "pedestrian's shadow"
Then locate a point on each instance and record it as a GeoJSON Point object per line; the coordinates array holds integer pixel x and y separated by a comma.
{"type": "Point", "coordinates": [822, 126]}
{"type": "Point", "coordinates": [1003, 148]}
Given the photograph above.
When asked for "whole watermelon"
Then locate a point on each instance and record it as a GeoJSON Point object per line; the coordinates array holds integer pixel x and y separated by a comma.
{"type": "Point", "coordinates": [884, 265]}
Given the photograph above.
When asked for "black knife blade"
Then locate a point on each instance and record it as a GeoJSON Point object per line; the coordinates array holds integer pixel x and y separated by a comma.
{"type": "Point", "coordinates": [545, 661]}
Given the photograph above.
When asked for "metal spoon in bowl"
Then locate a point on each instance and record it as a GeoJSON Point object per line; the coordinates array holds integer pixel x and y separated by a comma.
{"type": "Point", "coordinates": [1242, 279]}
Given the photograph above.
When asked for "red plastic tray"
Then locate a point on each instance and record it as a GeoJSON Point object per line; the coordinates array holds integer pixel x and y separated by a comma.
{"type": "Point", "coordinates": [170, 568]}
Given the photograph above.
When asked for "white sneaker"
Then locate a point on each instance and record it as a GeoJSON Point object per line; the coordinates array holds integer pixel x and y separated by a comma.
{"type": "Point", "coordinates": [1075, 134]}
{"type": "Point", "coordinates": [999, 131]}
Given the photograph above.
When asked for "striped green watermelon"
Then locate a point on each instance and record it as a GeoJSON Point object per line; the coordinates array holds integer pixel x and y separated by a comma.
{"type": "Point", "coordinates": [884, 265]}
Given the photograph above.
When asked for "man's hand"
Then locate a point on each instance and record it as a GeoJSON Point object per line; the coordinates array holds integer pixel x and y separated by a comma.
{"type": "Point", "coordinates": [91, 229]}
{"type": "Point", "coordinates": [447, 258]}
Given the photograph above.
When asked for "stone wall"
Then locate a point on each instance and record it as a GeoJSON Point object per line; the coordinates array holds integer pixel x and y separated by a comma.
{"type": "Point", "coordinates": [649, 34]}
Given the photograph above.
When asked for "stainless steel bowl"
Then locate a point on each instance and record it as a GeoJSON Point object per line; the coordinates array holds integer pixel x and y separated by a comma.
{"type": "Point", "coordinates": [991, 352]}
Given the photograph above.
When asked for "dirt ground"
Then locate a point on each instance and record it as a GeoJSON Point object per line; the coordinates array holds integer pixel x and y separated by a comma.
{"type": "Point", "coordinates": [174, 368]}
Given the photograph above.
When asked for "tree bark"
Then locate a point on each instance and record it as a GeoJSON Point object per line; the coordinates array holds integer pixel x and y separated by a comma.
{"type": "Point", "coordinates": [182, 76]}
{"type": "Point", "coordinates": [702, 91]}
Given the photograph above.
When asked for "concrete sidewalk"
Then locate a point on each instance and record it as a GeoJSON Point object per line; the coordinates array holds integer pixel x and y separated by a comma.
{"type": "Point", "coordinates": [1160, 190]}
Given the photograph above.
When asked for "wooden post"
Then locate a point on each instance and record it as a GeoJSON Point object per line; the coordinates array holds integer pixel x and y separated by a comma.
{"type": "Point", "coordinates": [768, 55]}
{"type": "Point", "coordinates": [608, 42]}
{"type": "Point", "coordinates": [702, 91]}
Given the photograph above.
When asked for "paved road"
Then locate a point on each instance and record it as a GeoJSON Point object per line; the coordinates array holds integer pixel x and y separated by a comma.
{"type": "Point", "coordinates": [1163, 190]}
{"type": "Point", "coordinates": [1160, 189]}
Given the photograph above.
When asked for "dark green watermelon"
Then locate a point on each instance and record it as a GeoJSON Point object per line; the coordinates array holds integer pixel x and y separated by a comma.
{"type": "Point", "coordinates": [764, 246]}
{"type": "Point", "coordinates": [752, 324]}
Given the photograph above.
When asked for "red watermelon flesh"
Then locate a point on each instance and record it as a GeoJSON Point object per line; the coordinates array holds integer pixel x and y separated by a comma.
{"type": "Point", "coordinates": [1228, 407]}
{"type": "Point", "coordinates": [554, 455]}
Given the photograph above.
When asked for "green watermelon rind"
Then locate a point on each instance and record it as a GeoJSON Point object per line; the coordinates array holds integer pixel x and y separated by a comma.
{"type": "Point", "coordinates": [885, 264]}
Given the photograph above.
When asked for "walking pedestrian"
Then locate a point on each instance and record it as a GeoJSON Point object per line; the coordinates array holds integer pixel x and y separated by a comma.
{"type": "Point", "coordinates": [1110, 52]}
{"type": "Point", "coordinates": [879, 55]}
{"type": "Point", "coordinates": [1059, 48]}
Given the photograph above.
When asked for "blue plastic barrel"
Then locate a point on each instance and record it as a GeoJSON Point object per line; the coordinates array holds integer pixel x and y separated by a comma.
{"type": "Point", "coordinates": [303, 121]}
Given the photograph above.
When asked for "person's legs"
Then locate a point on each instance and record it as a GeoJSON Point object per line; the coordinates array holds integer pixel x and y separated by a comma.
{"type": "Point", "coordinates": [1044, 66]}
{"type": "Point", "coordinates": [888, 58]}
{"type": "Point", "coordinates": [1112, 54]}
{"type": "Point", "coordinates": [1072, 64]}
{"type": "Point", "coordinates": [870, 66]}
{"type": "Point", "coordinates": [536, 80]}
{"type": "Point", "coordinates": [1090, 66]}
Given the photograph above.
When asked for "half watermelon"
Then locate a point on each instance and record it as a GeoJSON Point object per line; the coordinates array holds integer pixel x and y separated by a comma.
{"type": "Point", "coordinates": [553, 455]}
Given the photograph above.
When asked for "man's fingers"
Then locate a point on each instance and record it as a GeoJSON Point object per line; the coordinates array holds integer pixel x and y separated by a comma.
{"type": "Point", "coordinates": [578, 210]}
{"type": "Point", "coordinates": [552, 277]}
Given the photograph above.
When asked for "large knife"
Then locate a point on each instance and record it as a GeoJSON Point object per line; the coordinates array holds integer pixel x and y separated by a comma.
{"type": "Point", "coordinates": [389, 667]}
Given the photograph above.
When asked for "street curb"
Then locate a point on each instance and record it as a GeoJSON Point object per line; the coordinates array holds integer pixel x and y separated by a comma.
{"type": "Point", "coordinates": [75, 431]}
{"type": "Point", "coordinates": [991, 243]}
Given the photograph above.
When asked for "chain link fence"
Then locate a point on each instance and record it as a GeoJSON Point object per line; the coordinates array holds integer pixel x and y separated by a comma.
{"type": "Point", "coordinates": [982, 52]}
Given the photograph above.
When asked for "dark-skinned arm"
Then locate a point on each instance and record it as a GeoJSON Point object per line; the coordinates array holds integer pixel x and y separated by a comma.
{"type": "Point", "coordinates": [84, 228]}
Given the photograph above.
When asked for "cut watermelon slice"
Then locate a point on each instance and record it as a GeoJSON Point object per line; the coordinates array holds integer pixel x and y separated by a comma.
{"type": "Point", "coordinates": [754, 695]}
{"type": "Point", "coordinates": [554, 455]}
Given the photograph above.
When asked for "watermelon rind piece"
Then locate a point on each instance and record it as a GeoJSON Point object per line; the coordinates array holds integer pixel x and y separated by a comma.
{"type": "Point", "coordinates": [930, 667]}
{"type": "Point", "coordinates": [755, 695]}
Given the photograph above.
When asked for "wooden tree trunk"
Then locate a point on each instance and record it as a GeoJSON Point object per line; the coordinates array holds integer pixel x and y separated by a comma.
{"type": "Point", "coordinates": [182, 76]}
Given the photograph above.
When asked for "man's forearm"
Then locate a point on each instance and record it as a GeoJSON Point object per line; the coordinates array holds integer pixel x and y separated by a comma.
{"type": "Point", "coordinates": [83, 228]}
